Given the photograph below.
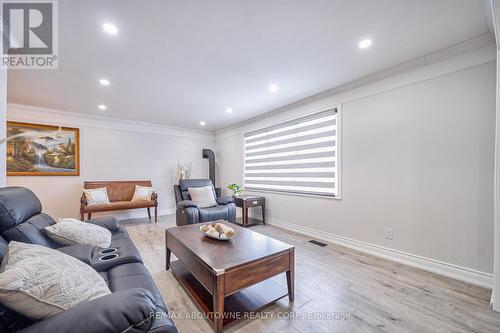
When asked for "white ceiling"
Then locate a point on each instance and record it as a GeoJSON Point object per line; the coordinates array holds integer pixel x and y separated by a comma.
{"type": "Point", "coordinates": [180, 62]}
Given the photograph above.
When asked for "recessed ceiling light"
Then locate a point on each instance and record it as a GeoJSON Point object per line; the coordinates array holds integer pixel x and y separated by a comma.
{"type": "Point", "coordinates": [274, 87]}
{"type": "Point", "coordinates": [202, 123]}
{"type": "Point", "coordinates": [365, 43]}
{"type": "Point", "coordinates": [102, 107]}
{"type": "Point", "coordinates": [229, 110]}
{"type": "Point", "coordinates": [104, 82]}
{"type": "Point", "coordinates": [110, 28]}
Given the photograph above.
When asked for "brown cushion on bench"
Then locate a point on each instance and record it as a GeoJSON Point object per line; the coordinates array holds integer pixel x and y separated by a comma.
{"type": "Point", "coordinates": [118, 205]}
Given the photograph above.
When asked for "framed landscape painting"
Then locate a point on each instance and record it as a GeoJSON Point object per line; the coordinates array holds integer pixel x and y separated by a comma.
{"type": "Point", "coordinates": [42, 150]}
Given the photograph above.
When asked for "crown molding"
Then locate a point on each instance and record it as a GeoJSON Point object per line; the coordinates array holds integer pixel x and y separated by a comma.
{"type": "Point", "coordinates": [26, 113]}
{"type": "Point", "coordinates": [471, 53]}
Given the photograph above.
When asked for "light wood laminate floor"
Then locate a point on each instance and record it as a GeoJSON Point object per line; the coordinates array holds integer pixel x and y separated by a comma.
{"type": "Point", "coordinates": [376, 294]}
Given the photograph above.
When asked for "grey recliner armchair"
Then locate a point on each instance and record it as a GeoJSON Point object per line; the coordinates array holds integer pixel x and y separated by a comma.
{"type": "Point", "coordinates": [188, 211]}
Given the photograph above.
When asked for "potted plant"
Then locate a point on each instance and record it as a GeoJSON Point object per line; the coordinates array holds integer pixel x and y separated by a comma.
{"type": "Point", "coordinates": [235, 188]}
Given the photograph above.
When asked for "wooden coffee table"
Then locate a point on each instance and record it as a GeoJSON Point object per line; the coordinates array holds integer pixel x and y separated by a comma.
{"type": "Point", "coordinates": [229, 280]}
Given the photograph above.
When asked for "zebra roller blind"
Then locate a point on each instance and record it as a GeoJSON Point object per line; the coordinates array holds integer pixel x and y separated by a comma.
{"type": "Point", "coordinates": [297, 156]}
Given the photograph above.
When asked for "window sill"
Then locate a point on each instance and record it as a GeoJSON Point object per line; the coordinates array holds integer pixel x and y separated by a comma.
{"type": "Point", "coordinates": [295, 194]}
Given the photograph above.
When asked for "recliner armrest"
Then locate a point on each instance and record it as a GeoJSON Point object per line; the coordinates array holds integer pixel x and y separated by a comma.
{"type": "Point", "coordinates": [225, 200]}
{"type": "Point", "coordinates": [109, 222]}
{"type": "Point", "coordinates": [130, 309]}
{"type": "Point", "coordinates": [187, 215]}
{"type": "Point", "coordinates": [186, 204]}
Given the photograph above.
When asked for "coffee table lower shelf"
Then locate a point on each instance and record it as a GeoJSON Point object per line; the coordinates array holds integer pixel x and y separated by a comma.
{"type": "Point", "coordinates": [238, 306]}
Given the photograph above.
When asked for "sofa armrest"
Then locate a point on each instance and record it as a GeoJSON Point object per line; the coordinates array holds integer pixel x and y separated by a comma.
{"type": "Point", "coordinates": [130, 309]}
{"type": "Point", "coordinates": [224, 200]}
{"type": "Point", "coordinates": [186, 204]}
{"type": "Point", "coordinates": [109, 222]}
{"type": "Point", "coordinates": [80, 252]}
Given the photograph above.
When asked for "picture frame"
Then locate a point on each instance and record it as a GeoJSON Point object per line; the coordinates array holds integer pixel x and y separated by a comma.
{"type": "Point", "coordinates": [42, 150]}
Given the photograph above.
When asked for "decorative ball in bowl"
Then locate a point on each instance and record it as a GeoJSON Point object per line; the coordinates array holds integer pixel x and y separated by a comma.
{"type": "Point", "coordinates": [218, 231]}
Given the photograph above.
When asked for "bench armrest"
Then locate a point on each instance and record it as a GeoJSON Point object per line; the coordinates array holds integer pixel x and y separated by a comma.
{"type": "Point", "coordinates": [83, 200]}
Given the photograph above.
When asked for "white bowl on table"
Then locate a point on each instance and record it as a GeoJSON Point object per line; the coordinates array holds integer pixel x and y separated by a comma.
{"type": "Point", "coordinates": [214, 236]}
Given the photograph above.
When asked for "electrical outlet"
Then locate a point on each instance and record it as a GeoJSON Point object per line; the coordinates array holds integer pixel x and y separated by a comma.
{"type": "Point", "coordinates": [388, 233]}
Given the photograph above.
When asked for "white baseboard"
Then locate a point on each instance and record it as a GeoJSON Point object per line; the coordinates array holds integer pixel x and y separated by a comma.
{"type": "Point", "coordinates": [464, 274]}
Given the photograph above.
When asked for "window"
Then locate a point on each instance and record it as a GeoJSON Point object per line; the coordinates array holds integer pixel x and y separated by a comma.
{"type": "Point", "coordinates": [297, 156]}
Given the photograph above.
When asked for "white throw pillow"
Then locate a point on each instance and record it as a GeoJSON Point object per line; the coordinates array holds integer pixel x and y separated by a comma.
{"type": "Point", "coordinates": [72, 232]}
{"type": "Point", "coordinates": [96, 196]}
{"type": "Point", "coordinates": [40, 282]}
{"type": "Point", "coordinates": [142, 193]}
{"type": "Point", "coordinates": [202, 196]}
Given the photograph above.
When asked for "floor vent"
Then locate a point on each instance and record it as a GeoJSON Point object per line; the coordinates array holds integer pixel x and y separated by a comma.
{"type": "Point", "coordinates": [312, 241]}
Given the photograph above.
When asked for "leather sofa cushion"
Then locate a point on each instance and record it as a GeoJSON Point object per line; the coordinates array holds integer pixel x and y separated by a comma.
{"type": "Point", "coordinates": [125, 311]}
{"type": "Point", "coordinates": [162, 323]}
{"type": "Point", "coordinates": [109, 222]}
{"type": "Point", "coordinates": [3, 247]}
{"type": "Point", "coordinates": [104, 275]}
{"type": "Point", "coordinates": [121, 233]}
{"type": "Point", "coordinates": [11, 321]}
{"type": "Point", "coordinates": [213, 213]}
{"type": "Point", "coordinates": [119, 205]}
{"type": "Point", "coordinates": [80, 252]}
{"type": "Point", "coordinates": [131, 275]}
{"type": "Point", "coordinates": [17, 204]}
{"type": "Point", "coordinates": [32, 231]}
{"type": "Point", "coordinates": [136, 275]}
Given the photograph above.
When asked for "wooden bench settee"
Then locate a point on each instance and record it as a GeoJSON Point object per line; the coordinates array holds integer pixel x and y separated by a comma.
{"type": "Point", "coordinates": [120, 195]}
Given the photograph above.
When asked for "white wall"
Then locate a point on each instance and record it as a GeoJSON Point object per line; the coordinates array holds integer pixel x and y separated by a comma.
{"type": "Point", "coordinates": [3, 117]}
{"type": "Point", "coordinates": [115, 150]}
{"type": "Point", "coordinates": [417, 156]}
{"type": "Point", "coordinates": [495, 298]}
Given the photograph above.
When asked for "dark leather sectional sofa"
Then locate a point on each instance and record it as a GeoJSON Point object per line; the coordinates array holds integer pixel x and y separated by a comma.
{"type": "Point", "coordinates": [135, 304]}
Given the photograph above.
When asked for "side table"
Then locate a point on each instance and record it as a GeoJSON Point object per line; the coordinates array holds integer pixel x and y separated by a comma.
{"type": "Point", "coordinates": [246, 201]}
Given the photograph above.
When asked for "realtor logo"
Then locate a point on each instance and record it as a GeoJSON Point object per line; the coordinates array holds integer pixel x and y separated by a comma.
{"type": "Point", "coordinates": [29, 31]}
